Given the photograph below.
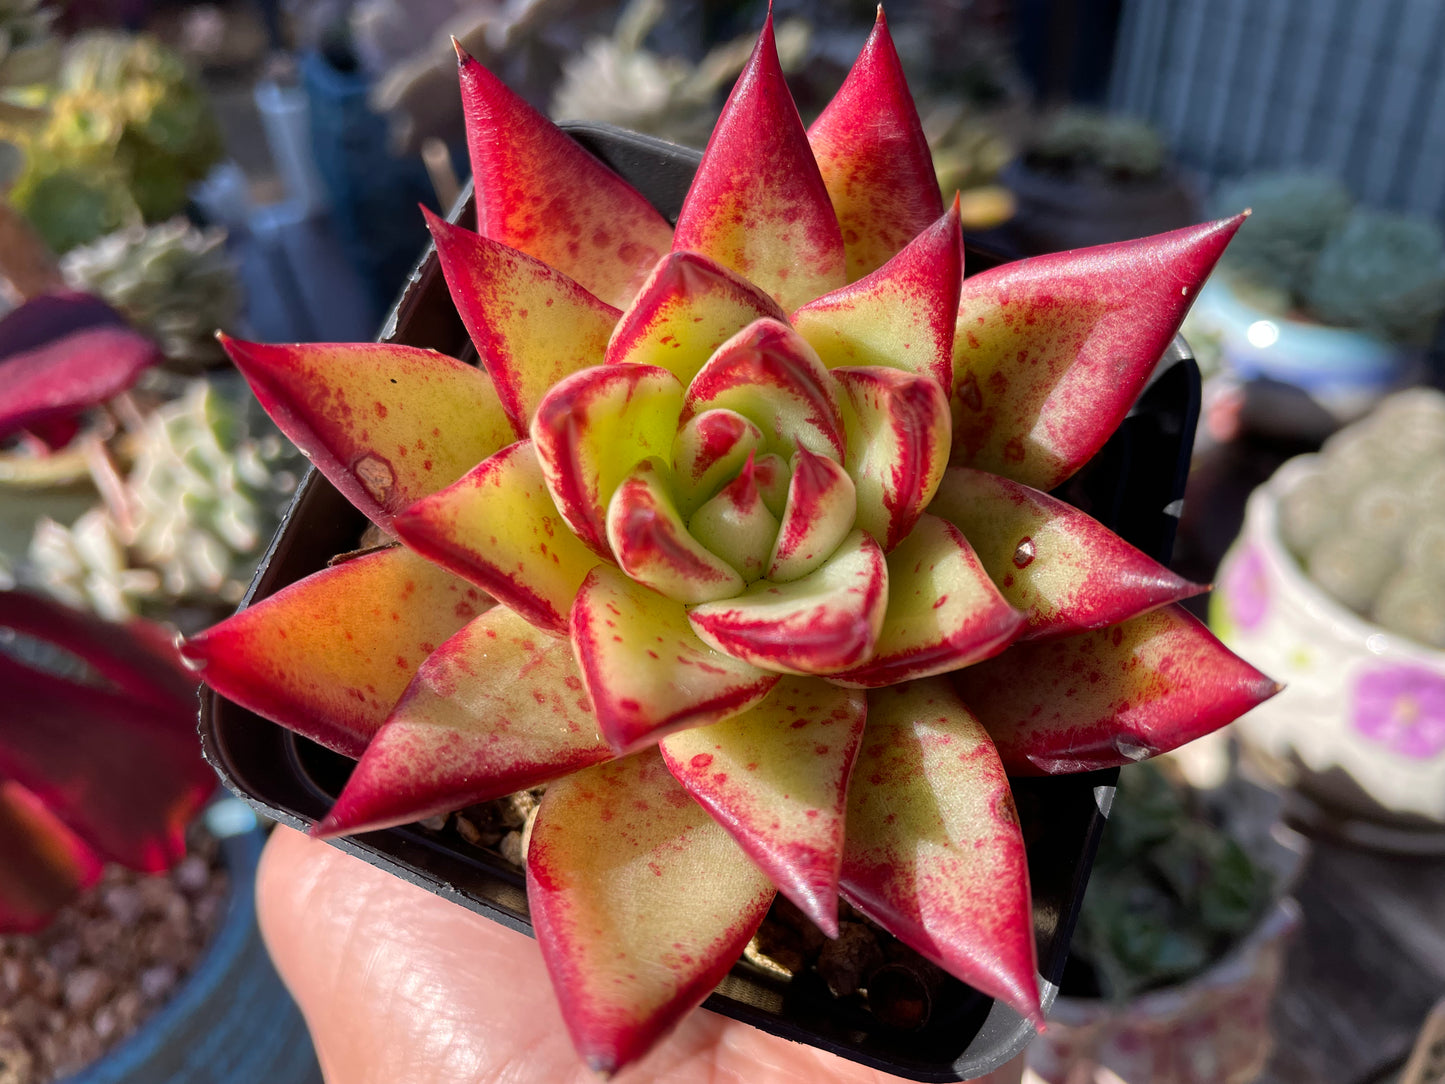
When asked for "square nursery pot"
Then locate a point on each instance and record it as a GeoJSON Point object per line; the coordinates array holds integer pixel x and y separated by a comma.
{"type": "Point", "coordinates": [1135, 485]}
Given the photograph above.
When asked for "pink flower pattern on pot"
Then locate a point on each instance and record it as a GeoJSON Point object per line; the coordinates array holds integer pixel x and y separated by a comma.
{"type": "Point", "coordinates": [1246, 586]}
{"type": "Point", "coordinates": [1402, 708]}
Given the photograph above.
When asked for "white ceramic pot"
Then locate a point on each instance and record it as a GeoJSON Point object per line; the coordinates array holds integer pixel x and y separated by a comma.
{"type": "Point", "coordinates": [1361, 705]}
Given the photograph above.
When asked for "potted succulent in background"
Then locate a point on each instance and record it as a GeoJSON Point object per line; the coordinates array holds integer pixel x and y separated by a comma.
{"type": "Point", "coordinates": [1086, 177]}
{"type": "Point", "coordinates": [1181, 939]}
{"type": "Point", "coordinates": [1335, 583]}
{"type": "Point", "coordinates": [1334, 301]}
{"type": "Point", "coordinates": [730, 485]}
{"type": "Point", "coordinates": [129, 952]}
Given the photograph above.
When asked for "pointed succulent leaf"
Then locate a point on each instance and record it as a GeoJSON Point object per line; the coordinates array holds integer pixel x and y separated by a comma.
{"type": "Point", "coordinates": [1064, 569]}
{"type": "Point", "coordinates": [776, 777]}
{"type": "Point", "coordinates": [43, 865]}
{"type": "Point", "coordinates": [498, 528]}
{"type": "Point", "coordinates": [593, 428]}
{"type": "Point", "coordinates": [654, 546]}
{"type": "Point", "coordinates": [898, 445]}
{"type": "Point", "coordinates": [532, 325]}
{"type": "Point", "coordinates": [821, 508]}
{"type": "Point", "coordinates": [645, 669]}
{"type": "Point", "coordinates": [689, 307]}
{"type": "Point", "coordinates": [1110, 697]}
{"type": "Point", "coordinates": [737, 526]}
{"type": "Point", "coordinates": [122, 773]}
{"type": "Point", "coordinates": [943, 611]}
{"type": "Point", "coordinates": [63, 377]}
{"type": "Point", "coordinates": [710, 448]}
{"type": "Point", "coordinates": [824, 623]}
{"type": "Point", "coordinates": [50, 316]}
{"type": "Point", "coordinates": [768, 374]}
{"type": "Point", "coordinates": [641, 903]}
{"type": "Point", "coordinates": [329, 655]}
{"type": "Point", "coordinates": [1051, 351]}
{"type": "Point", "coordinates": [874, 158]}
{"type": "Point", "coordinates": [758, 204]}
{"type": "Point", "coordinates": [934, 852]}
{"type": "Point", "coordinates": [496, 709]}
{"type": "Point", "coordinates": [385, 424]}
{"type": "Point", "coordinates": [540, 192]}
{"type": "Point", "coordinates": [902, 316]}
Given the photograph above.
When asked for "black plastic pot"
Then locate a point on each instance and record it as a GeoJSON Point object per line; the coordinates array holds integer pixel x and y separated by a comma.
{"type": "Point", "coordinates": [1135, 485]}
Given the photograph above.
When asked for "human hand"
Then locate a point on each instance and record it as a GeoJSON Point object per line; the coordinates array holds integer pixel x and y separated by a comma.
{"type": "Point", "coordinates": [403, 987]}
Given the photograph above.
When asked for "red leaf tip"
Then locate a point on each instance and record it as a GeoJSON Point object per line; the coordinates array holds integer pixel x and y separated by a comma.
{"type": "Point", "coordinates": [463, 57]}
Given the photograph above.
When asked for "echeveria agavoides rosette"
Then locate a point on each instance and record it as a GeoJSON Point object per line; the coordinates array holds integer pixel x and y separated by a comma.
{"type": "Point", "coordinates": [747, 524]}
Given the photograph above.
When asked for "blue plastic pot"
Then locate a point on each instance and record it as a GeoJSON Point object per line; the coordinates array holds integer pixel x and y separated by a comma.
{"type": "Point", "coordinates": [231, 1021]}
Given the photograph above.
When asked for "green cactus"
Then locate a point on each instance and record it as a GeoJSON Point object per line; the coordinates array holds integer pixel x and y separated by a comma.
{"type": "Point", "coordinates": [1367, 526]}
{"type": "Point", "coordinates": [128, 130]}
{"type": "Point", "coordinates": [171, 280]}
{"type": "Point", "coordinates": [1381, 272]}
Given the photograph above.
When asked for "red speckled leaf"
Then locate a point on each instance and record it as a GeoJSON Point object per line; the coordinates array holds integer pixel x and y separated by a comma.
{"type": "Point", "coordinates": [776, 777]}
{"type": "Point", "coordinates": [640, 901]}
{"type": "Point", "coordinates": [498, 527]}
{"type": "Point", "coordinates": [934, 853]}
{"type": "Point", "coordinates": [647, 672]}
{"type": "Point", "coordinates": [874, 158]}
{"type": "Point", "coordinates": [43, 864]}
{"type": "Point", "coordinates": [386, 424]}
{"type": "Point", "coordinates": [902, 316]}
{"type": "Point", "coordinates": [1064, 569]}
{"type": "Point", "coordinates": [532, 325]}
{"type": "Point", "coordinates": [1110, 697]}
{"type": "Point", "coordinates": [758, 204]}
{"type": "Point", "coordinates": [1051, 352]}
{"type": "Point", "coordinates": [496, 709]}
{"type": "Point", "coordinates": [66, 375]}
{"type": "Point", "coordinates": [329, 655]}
{"type": "Point", "coordinates": [689, 307]}
{"type": "Point", "coordinates": [654, 546]}
{"type": "Point", "coordinates": [593, 428]}
{"type": "Point", "coordinates": [123, 772]}
{"type": "Point", "coordinates": [943, 612]}
{"type": "Point", "coordinates": [824, 623]}
{"type": "Point", "coordinates": [821, 507]}
{"type": "Point", "coordinates": [538, 191]}
{"type": "Point", "coordinates": [771, 376]}
{"type": "Point", "coordinates": [897, 447]}
{"type": "Point", "coordinates": [710, 448]}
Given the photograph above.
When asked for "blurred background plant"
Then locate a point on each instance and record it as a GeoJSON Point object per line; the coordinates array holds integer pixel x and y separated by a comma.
{"type": "Point", "coordinates": [126, 130]}
{"type": "Point", "coordinates": [1308, 250]}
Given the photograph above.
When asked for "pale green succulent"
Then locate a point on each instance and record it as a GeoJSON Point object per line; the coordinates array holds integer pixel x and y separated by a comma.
{"type": "Point", "coordinates": [1079, 139]}
{"type": "Point", "coordinates": [1381, 272]}
{"type": "Point", "coordinates": [203, 495]}
{"type": "Point", "coordinates": [173, 281]}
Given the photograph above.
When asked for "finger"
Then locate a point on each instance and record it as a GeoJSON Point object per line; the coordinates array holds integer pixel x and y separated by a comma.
{"type": "Point", "coordinates": [400, 986]}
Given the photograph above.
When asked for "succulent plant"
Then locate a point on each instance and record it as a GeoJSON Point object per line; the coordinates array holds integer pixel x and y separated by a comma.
{"type": "Point", "coordinates": [128, 130]}
{"type": "Point", "coordinates": [97, 754]}
{"type": "Point", "coordinates": [185, 527]}
{"type": "Point", "coordinates": [1381, 272]}
{"type": "Point", "coordinates": [1078, 139]}
{"type": "Point", "coordinates": [760, 501]}
{"type": "Point", "coordinates": [1366, 525]}
{"type": "Point", "coordinates": [172, 281]}
{"type": "Point", "coordinates": [1170, 891]}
